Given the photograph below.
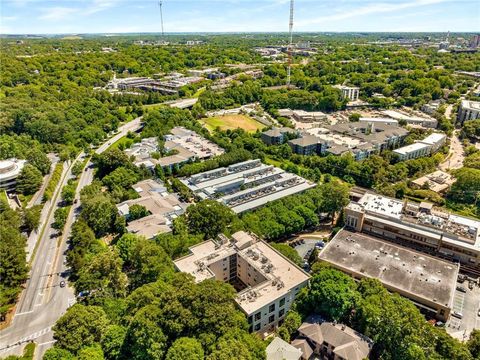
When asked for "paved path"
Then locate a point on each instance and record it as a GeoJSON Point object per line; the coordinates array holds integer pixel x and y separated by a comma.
{"type": "Point", "coordinates": [43, 301]}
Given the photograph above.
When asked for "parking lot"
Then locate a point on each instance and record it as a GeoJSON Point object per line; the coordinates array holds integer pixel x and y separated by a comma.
{"type": "Point", "coordinates": [468, 304]}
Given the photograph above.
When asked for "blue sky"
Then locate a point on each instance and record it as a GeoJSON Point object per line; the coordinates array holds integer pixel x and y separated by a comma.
{"type": "Point", "coordinates": [117, 16]}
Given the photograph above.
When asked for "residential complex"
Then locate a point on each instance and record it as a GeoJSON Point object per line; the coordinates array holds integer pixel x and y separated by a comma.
{"type": "Point", "coordinates": [266, 281]}
{"type": "Point", "coordinates": [468, 110]}
{"type": "Point", "coordinates": [246, 185]}
{"type": "Point", "coordinates": [349, 92]}
{"type": "Point", "coordinates": [358, 138]}
{"type": "Point", "coordinates": [425, 147]}
{"type": "Point", "coordinates": [9, 171]}
{"type": "Point", "coordinates": [277, 136]}
{"type": "Point", "coordinates": [334, 341]}
{"type": "Point", "coordinates": [418, 226]}
{"type": "Point", "coordinates": [183, 144]}
{"type": "Point", "coordinates": [168, 86]}
{"type": "Point", "coordinates": [162, 206]}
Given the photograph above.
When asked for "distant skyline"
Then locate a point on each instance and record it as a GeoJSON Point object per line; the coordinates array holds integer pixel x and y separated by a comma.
{"type": "Point", "coordinates": [127, 16]}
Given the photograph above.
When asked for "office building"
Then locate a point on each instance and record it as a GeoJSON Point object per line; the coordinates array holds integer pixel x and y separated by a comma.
{"type": "Point", "coordinates": [246, 185]}
{"type": "Point", "coordinates": [468, 110]}
{"type": "Point", "coordinates": [334, 341]}
{"type": "Point", "coordinates": [163, 208]}
{"type": "Point", "coordinates": [418, 226]}
{"type": "Point", "coordinates": [266, 281]}
{"type": "Point", "coordinates": [9, 171]}
{"type": "Point", "coordinates": [277, 136]}
{"type": "Point", "coordinates": [429, 282]}
{"type": "Point", "coordinates": [349, 92]}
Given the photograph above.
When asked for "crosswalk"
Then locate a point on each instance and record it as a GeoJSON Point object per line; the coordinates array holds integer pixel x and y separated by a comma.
{"type": "Point", "coordinates": [26, 339]}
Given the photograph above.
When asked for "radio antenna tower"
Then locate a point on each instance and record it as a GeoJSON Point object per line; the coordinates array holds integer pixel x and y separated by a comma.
{"type": "Point", "coordinates": [289, 49]}
{"type": "Point", "coordinates": [161, 14]}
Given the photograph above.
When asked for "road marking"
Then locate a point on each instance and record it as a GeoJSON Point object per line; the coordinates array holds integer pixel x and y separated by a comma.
{"type": "Point", "coordinates": [47, 342]}
{"type": "Point", "coordinates": [23, 313]}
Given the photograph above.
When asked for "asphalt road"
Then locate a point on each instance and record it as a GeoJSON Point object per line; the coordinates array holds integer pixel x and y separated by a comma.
{"type": "Point", "coordinates": [456, 154]}
{"type": "Point", "coordinates": [43, 301]}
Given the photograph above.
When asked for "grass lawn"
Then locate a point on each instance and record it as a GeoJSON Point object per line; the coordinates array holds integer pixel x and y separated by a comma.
{"type": "Point", "coordinates": [123, 140]}
{"type": "Point", "coordinates": [3, 196]}
{"type": "Point", "coordinates": [231, 122]}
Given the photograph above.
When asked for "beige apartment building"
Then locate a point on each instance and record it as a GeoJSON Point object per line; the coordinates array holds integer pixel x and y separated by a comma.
{"type": "Point", "coordinates": [266, 281]}
{"type": "Point", "coordinates": [418, 226]}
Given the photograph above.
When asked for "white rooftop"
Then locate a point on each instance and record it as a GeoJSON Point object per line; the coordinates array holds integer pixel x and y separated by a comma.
{"type": "Point", "coordinates": [473, 105]}
{"type": "Point", "coordinates": [411, 148]}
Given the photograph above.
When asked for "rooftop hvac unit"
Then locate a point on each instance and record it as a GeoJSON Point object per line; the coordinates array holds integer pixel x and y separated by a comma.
{"type": "Point", "coordinates": [264, 259]}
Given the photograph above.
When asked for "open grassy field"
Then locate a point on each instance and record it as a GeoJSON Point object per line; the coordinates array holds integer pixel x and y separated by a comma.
{"type": "Point", "coordinates": [231, 122]}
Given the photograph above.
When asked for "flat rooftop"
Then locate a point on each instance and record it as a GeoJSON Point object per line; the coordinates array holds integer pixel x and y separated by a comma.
{"type": "Point", "coordinates": [411, 148]}
{"type": "Point", "coordinates": [246, 185]}
{"type": "Point", "coordinates": [399, 269]}
{"type": "Point", "coordinates": [279, 273]}
{"type": "Point", "coordinates": [473, 105]}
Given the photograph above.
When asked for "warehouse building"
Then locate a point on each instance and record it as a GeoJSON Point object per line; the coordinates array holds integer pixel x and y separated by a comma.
{"type": "Point", "coordinates": [246, 185]}
{"type": "Point", "coordinates": [419, 226]}
{"type": "Point", "coordinates": [429, 282]}
{"type": "Point", "coordinates": [266, 281]}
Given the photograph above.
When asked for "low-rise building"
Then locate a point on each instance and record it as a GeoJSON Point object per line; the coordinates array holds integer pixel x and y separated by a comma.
{"type": "Point", "coordinates": [385, 121]}
{"type": "Point", "coordinates": [349, 92]}
{"type": "Point", "coordinates": [162, 206]}
{"type": "Point", "coordinates": [432, 107]}
{"type": "Point", "coordinates": [428, 281]}
{"type": "Point", "coordinates": [246, 185]}
{"type": "Point", "coordinates": [430, 145]}
{"type": "Point", "coordinates": [418, 226]}
{"type": "Point", "coordinates": [183, 144]}
{"type": "Point", "coordinates": [427, 122]}
{"type": "Point", "coordinates": [279, 349]}
{"type": "Point", "coordinates": [438, 181]}
{"type": "Point", "coordinates": [332, 341]}
{"type": "Point", "coordinates": [361, 139]}
{"type": "Point", "coordinates": [9, 171]}
{"type": "Point", "coordinates": [276, 136]}
{"type": "Point", "coordinates": [266, 281]}
{"type": "Point", "coordinates": [413, 151]}
{"type": "Point", "coordinates": [308, 116]}
{"type": "Point", "coordinates": [468, 110]}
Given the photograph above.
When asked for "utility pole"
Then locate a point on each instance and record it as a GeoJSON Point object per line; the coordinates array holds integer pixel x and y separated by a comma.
{"type": "Point", "coordinates": [160, 3]}
{"type": "Point", "coordinates": [289, 49]}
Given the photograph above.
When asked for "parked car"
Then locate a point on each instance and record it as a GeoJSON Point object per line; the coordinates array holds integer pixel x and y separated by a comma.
{"type": "Point", "coordinates": [470, 285]}
{"type": "Point", "coordinates": [478, 312]}
{"type": "Point", "coordinates": [461, 289]}
{"type": "Point", "coordinates": [457, 314]}
{"type": "Point", "coordinates": [320, 244]}
{"type": "Point", "coordinates": [62, 283]}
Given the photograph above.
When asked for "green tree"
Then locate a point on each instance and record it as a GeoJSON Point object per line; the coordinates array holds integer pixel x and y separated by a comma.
{"type": "Point", "coordinates": [208, 217]}
{"type": "Point", "coordinates": [335, 196]}
{"type": "Point", "coordinates": [60, 218]}
{"type": "Point", "coordinates": [120, 177]}
{"type": "Point", "coordinates": [31, 217]}
{"type": "Point", "coordinates": [137, 211]}
{"type": "Point", "coordinates": [39, 160]}
{"type": "Point", "coordinates": [292, 322]}
{"type": "Point", "coordinates": [473, 343]}
{"type": "Point", "coordinates": [100, 213]}
{"type": "Point", "coordinates": [288, 252]}
{"type": "Point", "coordinates": [29, 180]}
{"type": "Point", "coordinates": [56, 353]}
{"type": "Point", "coordinates": [113, 341]}
{"type": "Point", "coordinates": [93, 352]}
{"type": "Point", "coordinates": [80, 326]}
{"type": "Point", "coordinates": [185, 349]}
{"type": "Point", "coordinates": [238, 344]}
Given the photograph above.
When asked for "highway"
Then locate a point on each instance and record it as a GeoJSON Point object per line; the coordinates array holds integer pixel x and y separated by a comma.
{"type": "Point", "coordinates": [43, 301]}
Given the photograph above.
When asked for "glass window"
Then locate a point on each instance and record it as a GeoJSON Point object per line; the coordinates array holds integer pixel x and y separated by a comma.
{"type": "Point", "coordinates": [281, 312]}
{"type": "Point", "coordinates": [282, 302]}
{"type": "Point", "coordinates": [271, 318]}
{"type": "Point", "coordinates": [258, 316]}
{"type": "Point", "coordinates": [271, 308]}
{"type": "Point", "coordinates": [257, 327]}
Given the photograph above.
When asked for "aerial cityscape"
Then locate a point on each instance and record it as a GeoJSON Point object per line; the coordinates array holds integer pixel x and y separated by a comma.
{"type": "Point", "coordinates": [245, 180]}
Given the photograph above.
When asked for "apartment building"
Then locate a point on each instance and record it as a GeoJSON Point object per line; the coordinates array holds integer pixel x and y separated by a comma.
{"type": "Point", "coordinates": [247, 185]}
{"type": "Point", "coordinates": [468, 110]}
{"type": "Point", "coordinates": [427, 281]}
{"type": "Point", "coordinates": [349, 92]}
{"type": "Point", "coordinates": [266, 281]}
{"type": "Point", "coordinates": [430, 145]}
{"type": "Point", "coordinates": [418, 226]}
{"type": "Point", "coordinates": [423, 121]}
{"type": "Point", "coordinates": [361, 139]}
{"type": "Point", "coordinates": [276, 136]}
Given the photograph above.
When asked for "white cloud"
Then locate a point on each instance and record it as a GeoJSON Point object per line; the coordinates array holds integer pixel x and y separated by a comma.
{"type": "Point", "coordinates": [56, 13]}
{"type": "Point", "coordinates": [100, 5]}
